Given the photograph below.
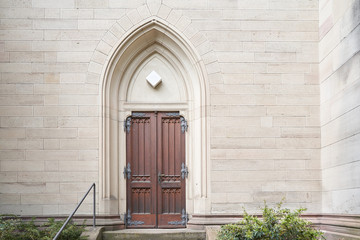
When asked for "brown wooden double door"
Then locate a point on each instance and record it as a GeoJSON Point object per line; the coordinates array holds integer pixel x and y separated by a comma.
{"type": "Point", "coordinates": [155, 170]}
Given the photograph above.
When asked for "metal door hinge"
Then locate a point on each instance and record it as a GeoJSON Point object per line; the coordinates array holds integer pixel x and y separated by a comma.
{"type": "Point", "coordinates": [129, 222]}
{"type": "Point", "coordinates": [184, 219]}
{"type": "Point", "coordinates": [184, 171]}
{"type": "Point", "coordinates": [172, 114]}
{"type": "Point", "coordinates": [184, 125]}
{"type": "Point", "coordinates": [127, 124]}
{"type": "Point", "coordinates": [138, 114]}
{"type": "Point", "coordinates": [127, 171]}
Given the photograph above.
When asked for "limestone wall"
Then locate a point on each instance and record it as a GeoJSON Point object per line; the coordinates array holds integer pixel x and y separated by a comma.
{"type": "Point", "coordinates": [264, 112]}
{"type": "Point", "coordinates": [265, 134]}
{"type": "Point", "coordinates": [340, 105]}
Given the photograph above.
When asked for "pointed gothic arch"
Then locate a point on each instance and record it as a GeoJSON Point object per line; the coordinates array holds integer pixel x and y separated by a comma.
{"type": "Point", "coordinates": [152, 38]}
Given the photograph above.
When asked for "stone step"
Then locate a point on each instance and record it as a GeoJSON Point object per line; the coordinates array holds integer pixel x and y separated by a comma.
{"type": "Point", "coordinates": [154, 234]}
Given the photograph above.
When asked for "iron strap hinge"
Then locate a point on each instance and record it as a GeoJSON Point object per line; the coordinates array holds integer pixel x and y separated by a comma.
{"type": "Point", "coordinates": [184, 171]}
{"type": "Point", "coordinates": [184, 219]}
{"type": "Point", "coordinates": [184, 125]}
{"type": "Point", "coordinates": [129, 222]}
{"type": "Point", "coordinates": [127, 171]}
{"type": "Point", "coordinates": [127, 124]}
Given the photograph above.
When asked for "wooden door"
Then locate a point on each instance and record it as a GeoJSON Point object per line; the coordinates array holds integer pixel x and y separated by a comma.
{"type": "Point", "coordinates": [155, 170]}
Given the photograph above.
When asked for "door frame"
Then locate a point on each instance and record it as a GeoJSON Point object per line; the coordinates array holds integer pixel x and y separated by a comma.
{"type": "Point", "coordinates": [133, 48]}
{"type": "Point", "coordinates": [156, 165]}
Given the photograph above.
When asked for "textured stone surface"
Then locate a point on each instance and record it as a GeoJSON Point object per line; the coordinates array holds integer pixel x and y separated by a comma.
{"type": "Point", "coordinates": [261, 58]}
{"type": "Point", "coordinates": [339, 77]}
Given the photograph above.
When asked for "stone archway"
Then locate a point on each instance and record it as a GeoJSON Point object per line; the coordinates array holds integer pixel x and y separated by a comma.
{"type": "Point", "coordinates": [116, 62]}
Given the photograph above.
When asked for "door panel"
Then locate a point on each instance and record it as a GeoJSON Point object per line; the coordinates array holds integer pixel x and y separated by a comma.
{"type": "Point", "coordinates": [171, 193]}
{"type": "Point", "coordinates": [141, 187]}
{"type": "Point", "coordinates": [156, 188]}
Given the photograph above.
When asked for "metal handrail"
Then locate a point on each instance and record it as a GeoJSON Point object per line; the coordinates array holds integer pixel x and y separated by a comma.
{"type": "Point", "coordinates": [72, 214]}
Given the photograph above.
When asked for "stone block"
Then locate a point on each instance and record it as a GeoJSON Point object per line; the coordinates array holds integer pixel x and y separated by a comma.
{"type": "Point", "coordinates": [16, 111]}
{"type": "Point", "coordinates": [12, 155]}
{"type": "Point", "coordinates": [31, 144]}
{"type": "Point", "coordinates": [59, 67]}
{"type": "Point", "coordinates": [52, 166]}
{"type": "Point", "coordinates": [52, 13]}
{"type": "Point", "coordinates": [234, 143]}
{"type": "Point", "coordinates": [75, 122]}
{"type": "Point", "coordinates": [350, 120]}
{"type": "Point", "coordinates": [7, 144]}
{"type": "Point", "coordinates": [51, 144]}
{"type": "Point", "coordinates": [125, 4]}
{"type": "Point", "coordinates": [14, 24]}
{"type": "Point", "coordinates": [72, 77]}
{"type": "Point", "coordinates": [51, 100]}
{"type": "Point", "coordinates": [89, 155]}
{"type": "Point", "coordinates": [91, 4]}
{"type": "Point", "coordinates": [48, 133]}
{"type": "Point", "coordinates": [230, 36]}
{"type": "Point", "coordinates": [231, 57]}
{"type": "Point", "coordinates": [79, 89]}
{"type": "Point", "coordinates": [55, 111]}
{"type": "Point", "coordinates": [9, 199]}
{"type": "Point", "coordinates": [24, 89]}
{"type": "Point", "coordinates": [51, 155]}
{"type": "Point", "coordinates": [15, 67]}
{"type": "Point", "coordinates": [95, 67]}
{"type": "Point", "coordinates": [293, 4]}
{"type": "Point", "coordinates": [243, 165]}
{"type": "Point", "coordinates": [303, 100]}
{"type": "Point", "coordinates": [11, 133]}
{"type": "Point", "coordinates": [50, 122]}
{"type": "Point", "coordinates": [21, 122]}
{"type": "Point", "coordinates": [88, 111]}
{"type": "Point", "coordinates": [245, 68]}
{"type": "Point", "coordinates": [134, 16]}
{"type": "Point", "coordinates": [54, 24]}
{"type": "Point", "coordinates": [53, 4]}
{"type": "Point", "coordinates": [7, 89]}
{"type": "Point", "coordinates": [78, 144]}
{"type": "Point", "coordinates": [310, 185]}
{"type": "Point", "coordinates": [78, 100]}
{"type": "Point", "coordinates": [74, 56]}
{"type": "Point", "coordinates": [26, 12]}
{"type": "Point", "coordinates": [164, 11]}
{"type": "Point", "coordinates": [95, 24]}
{"type": "Point", "coordinates": [17, 46]}
{"type": "Point", "coordinates": [252, 132]}
{"type": "Point", "coordinates": [35, 177]}
{"type": "Point", "coordinates": [222, 99]}
{"type": "Point", "coordinates": [183, 23]}
{"type": "Point", "coordinates": [108, 13]}
{"type": "Point", "coordinates": [244, 89]}
{"type": "Point", "coordinates": [77, 13]}
{"type": "Point", "coordinates": [304, 143]}
{"type": "Point", "coordinates": [21, 166]}
{"type": "Point", "coordinates": [275, 57]}
{"type": "Point", "coordinates": [304, 175]}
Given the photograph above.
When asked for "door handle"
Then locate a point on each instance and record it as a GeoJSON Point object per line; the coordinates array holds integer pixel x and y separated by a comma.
{"type": "Point", "coordinates": [160, 177]}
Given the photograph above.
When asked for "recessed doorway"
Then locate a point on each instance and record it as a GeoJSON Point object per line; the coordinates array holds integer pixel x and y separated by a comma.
{"type": "Point", "coordinates": [155, 170]}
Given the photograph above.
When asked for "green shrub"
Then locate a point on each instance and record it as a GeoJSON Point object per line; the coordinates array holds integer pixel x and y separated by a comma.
{"type": "Point", "coordinates": [13, 228]}
{"type": "Point", "coordinates": [276, 224]}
